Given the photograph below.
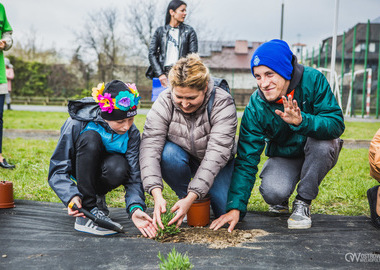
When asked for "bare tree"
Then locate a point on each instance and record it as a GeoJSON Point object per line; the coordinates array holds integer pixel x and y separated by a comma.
{"type": "Point", "coordinates": [142, 18]}
{"type": "Point", "coordinates": [101, 37]}
{"type": "Point", "coordinates": [30, 49]}
{"type": "Point", "coordinates": [81, 69]}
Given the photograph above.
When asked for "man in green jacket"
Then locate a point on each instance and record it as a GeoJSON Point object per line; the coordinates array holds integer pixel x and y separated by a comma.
{"type": "Point", "coordinates": [296, 116]}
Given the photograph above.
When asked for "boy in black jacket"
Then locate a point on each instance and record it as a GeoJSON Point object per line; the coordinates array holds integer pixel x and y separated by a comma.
{"type": "Point", "coordinates": [98, 151]}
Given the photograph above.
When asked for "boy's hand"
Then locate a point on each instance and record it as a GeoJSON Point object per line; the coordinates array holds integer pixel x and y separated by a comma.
{"type": "Point", "coordinates": [78, 202]}
{"type": "Point", "coordinates": [144, 223]}
{"type": "Point", "coordinates": [232, 217]}
{"type": "Point", "coordinates": [292, 113]}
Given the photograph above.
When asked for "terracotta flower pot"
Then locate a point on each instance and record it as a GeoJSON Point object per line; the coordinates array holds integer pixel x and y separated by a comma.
{"type": "Point", "coordinates": [199, 213]}
{"type": "Point", "coordinates": [6, 194]}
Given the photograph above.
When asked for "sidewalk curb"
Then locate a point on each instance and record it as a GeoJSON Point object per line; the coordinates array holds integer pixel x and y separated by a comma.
{"type": "Point", "coordinates": [33, 134]}
{"type": "Point", "coordinates": [353, 144]}
{"type": "Point", "coordinates": [38, 134]}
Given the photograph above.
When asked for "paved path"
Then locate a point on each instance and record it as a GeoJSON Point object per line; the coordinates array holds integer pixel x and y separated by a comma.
{"type": "Point", "coordinates": [42, 108]}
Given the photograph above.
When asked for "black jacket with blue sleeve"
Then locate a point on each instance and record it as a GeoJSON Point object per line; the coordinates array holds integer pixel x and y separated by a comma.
{"type": "Point", "coordinates": [62, 162]}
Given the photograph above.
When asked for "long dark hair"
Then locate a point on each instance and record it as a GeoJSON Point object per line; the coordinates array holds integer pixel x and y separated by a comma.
{"type": "Point", "coordinates": [174, 4]}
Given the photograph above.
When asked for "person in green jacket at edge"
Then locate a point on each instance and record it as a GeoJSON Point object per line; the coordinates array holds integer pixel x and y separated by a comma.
{"type": "Point", "coordinates": [296, 116]}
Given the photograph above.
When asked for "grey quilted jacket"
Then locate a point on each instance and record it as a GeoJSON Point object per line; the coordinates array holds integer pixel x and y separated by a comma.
{"type": "Point", "coordinates": [211, 141]}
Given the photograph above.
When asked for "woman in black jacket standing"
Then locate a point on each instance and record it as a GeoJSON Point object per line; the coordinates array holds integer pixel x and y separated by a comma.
{"type": "Point", "coordinates": [170, 42]}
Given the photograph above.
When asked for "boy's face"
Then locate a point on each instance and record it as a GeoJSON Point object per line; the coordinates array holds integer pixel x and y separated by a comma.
{"type": "Point", "coordinates": [271, 83]}
{"type": "Point", "coordinates": [121, 126]}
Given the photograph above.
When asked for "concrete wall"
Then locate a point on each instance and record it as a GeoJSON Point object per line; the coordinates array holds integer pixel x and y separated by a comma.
{"type": "Point", "coordinates": [237, 79]}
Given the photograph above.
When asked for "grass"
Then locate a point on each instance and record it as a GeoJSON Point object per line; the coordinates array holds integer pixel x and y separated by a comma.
{"type": "Point", "coordinates": [54, 121]}
{"type": "Point", "coordinates": [34, 120]}
{"type": "Point", "coordinates": [360, 130]}
{"type": "Point", "coordinates": [342, 192]}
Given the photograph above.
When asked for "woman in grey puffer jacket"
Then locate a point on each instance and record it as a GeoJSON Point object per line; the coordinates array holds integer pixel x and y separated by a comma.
{"type": "Point", "coordinates": [181, 142]}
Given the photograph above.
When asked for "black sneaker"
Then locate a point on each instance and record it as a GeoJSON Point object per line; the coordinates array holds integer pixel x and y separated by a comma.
{"type": "Point", "coordinates": [6, 165]}
{"type": "Point", "coordinates": [282, 208]}
{"type": "Point", "coordinates": [88, 226]}
{"type": "Point", "coordinates": [300, 218]}
{"type": "Point", "coordinates": [372, 199]}
{"type": "Point", "coordinates": [102, 204]}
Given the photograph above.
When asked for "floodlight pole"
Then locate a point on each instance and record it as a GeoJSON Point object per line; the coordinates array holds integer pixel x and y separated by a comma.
{"type": "Point", "coordinates": [333, 49]}
{"type": "Point", "coordinates": [282, 18]}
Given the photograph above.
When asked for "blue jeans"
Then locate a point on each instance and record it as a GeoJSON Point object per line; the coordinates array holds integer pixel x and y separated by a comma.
{"type": "Point", "coordinates": [178, 167]}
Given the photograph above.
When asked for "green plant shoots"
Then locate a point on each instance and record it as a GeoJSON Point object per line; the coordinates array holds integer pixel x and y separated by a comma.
{"type": "Point", "coordinates": [174, 261]}
{"type": "Point", "coordinates": [168, 230]}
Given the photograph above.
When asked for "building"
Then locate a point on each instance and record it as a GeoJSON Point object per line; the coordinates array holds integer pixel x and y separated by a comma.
{"type": "Point", "coordinates": [354, 47]}
{"type": "Point", "coordinates": [360, 47]}
{"type": "Point", "coordinates": [231, 60]}
{"type": "Point", "coordinates": [298, 50]}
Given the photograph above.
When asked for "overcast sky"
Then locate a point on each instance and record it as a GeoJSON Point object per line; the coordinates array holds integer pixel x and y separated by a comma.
{"type": "Point", "coordinates": [306, 21]}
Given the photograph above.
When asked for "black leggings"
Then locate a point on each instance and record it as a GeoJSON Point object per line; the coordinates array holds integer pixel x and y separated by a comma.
{"type": "Point", "coordinates": [97, 171]}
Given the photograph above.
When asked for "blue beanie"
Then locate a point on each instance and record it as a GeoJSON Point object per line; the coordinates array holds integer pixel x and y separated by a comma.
{"type": "Point", "coordinates": [276, 55]}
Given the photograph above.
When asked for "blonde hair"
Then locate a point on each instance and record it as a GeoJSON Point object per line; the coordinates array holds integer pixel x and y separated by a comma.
{"type": "Point", "coordinates": [189, 72]}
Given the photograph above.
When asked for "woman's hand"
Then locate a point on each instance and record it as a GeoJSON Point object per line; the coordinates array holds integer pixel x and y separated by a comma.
{"type": "Point", "coordinates": [78, 202]}
{"type": "Point", "coordinates": [182, 207]}
{"type": "Point", "coordinates": [164, 80]}
{"type": "Point", "coordinates": [144, 223]}
{"type": "Point", "coordinates": [159, 207]}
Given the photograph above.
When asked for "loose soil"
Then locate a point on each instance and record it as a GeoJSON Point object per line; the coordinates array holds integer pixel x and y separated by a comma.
{"type": "Point", "coordinates": [215, 239]}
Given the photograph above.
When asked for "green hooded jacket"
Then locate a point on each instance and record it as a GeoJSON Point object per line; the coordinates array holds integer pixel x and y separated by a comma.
{"type": "Point", "coordinates": [322, 119]}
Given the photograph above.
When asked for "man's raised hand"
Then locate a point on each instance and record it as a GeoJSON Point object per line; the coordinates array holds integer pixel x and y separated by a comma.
{"type": "Point", "coordinates": [292, 113]}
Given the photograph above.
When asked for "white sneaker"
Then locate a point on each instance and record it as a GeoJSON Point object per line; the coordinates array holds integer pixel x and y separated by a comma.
{"type": "Point", "coordinates": [88, 226]}
{"type": "Point", "coordinates": [300, 218]}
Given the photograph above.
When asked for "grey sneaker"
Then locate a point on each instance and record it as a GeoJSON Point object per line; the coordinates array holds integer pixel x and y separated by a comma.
{"type": "Point", "coordinates": [279, 208]}
{"type": "Point", "coordinates": [300, 218]}
{"type": "Point", "coordinates": [88, 226]}
{"type": "Point", "coordinates": [102, 204]}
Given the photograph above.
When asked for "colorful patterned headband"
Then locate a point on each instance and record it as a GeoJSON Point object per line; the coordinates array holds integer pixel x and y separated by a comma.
{"type": "Point", "coordinates": [124, 101]}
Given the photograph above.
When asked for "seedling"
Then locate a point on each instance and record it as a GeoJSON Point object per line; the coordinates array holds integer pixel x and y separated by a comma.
{"type": "Point", "coordinates": [174, 261]}
{"type": "Point", "coordinates": [168, 230]}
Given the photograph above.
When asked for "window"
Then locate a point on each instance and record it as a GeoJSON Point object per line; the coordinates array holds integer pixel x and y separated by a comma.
{"type": "Point", "coordinates": [361, 47]}
{"type": "Point", "coordinates": [372, 47]}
